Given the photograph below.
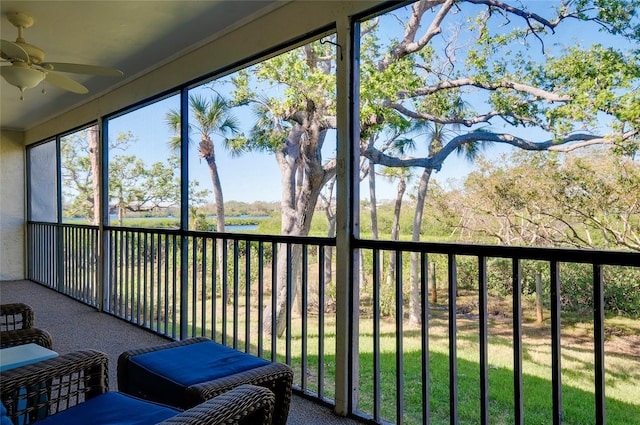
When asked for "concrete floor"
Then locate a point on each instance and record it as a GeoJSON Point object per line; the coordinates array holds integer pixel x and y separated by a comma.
{"type": "Point", "coordinates": [75, 326]}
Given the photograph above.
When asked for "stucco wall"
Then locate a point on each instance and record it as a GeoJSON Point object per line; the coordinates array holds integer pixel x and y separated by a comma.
{"type": "Point", "coordinates": [12, 205]}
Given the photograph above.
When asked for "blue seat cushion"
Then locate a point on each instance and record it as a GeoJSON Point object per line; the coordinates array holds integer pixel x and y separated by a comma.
{"type": "Point", "coordinates": [4, 419]}
{"type": "Point", "coordinates": [163, 375]}
{"type": "Point", "coordinates": [112, 408]}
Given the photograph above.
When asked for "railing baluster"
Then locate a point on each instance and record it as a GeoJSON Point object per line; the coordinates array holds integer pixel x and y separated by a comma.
{"type": "Point", "coordinates": [148, 255]}
{"type": "Point", "coordinates": [289, 304]}
{"type": "Point", "coordinates": [321, 301]}
{"type": "Point", "coordinates": [141, 273]}
{"type": "Point", "coordinates": [203, 277]}
{"type": "Point", "coordinates": [556, 356]}
{"type": "Point", "coordinates": [598, 341]}
{"type": "Point", "coordinates": [517, 342]}
{"type": "Point", "coordinates": [118, 285]}
{"type": "Point", "coordinates": [214, 290]}
{"type": "Point", "coordinates": [65, 260]}
{"type": "Point", "coordinates": [127, 313]}
{"type": "Point", "coordinates": [138, 279]}
{"type": "Point", "coordinates": [70, 274]}
{"type": "Point", "coordinates": [85, 285]}
{"type": "Point", "coordinates": [305, 288]}
{"type": "Point", "coordinates": [453, 331]}
{"type": "Point", "coordinates": [424, 333]}
{"type": "Point", "coordinates": [274, 299]}
{"type": "Point", "coordinates": [260, 299]}
{"type": "Point", "coordinates": [194, 287]}
{"type": "Point", "coordinates": [236, 290]}
{"type": "Point", "coordinates": [167, 258]}
{"type": "Point", "coordinates": [399, 340]}
{"type": "Point", "coordinates": [225, 292]}
{"type": "Point", "coordinates": [376, 336]}
{"type": "Point", "coordinates": [247, 294]}
{"type": "Point", "coordinates": [158, 300]}
{"type": "Point", "coordinates": [152, 281]}
{"type": "Point", "coordinates": [484, 356]}
{"type": "Point", "coordinates": [175, 296]}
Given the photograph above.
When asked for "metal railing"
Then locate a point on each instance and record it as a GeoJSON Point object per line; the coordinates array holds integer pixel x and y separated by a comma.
{"type": "Point", "coordinates": [229, 287]}
{"type": "Point", "coordinates": [65, 258]}
{"type": "Point", "coordinates": [469, 274]}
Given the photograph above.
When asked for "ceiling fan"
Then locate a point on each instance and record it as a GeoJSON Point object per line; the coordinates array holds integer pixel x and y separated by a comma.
{"type": "Point", "coordinates": [27, 67]}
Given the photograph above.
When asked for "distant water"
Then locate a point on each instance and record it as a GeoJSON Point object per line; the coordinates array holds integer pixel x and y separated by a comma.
{"type": "Point", "coordinates": [227, 228]}
{"type": "Point", "coordinates": [241, 228]}
{"type": "Point", "coordinates": [257, 217]}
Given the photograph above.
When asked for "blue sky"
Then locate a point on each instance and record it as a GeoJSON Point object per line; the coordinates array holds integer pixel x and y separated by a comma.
{"type": "Point", "coordinates": [255, 176]}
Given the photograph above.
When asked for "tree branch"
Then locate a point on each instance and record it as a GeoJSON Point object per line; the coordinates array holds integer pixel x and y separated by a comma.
{"type": "Point", "coordinates": [435, 162]}
{"type": "Point", "coordinates": [462, 82]}
{"type": "Point", "coordinates": [408, 44]}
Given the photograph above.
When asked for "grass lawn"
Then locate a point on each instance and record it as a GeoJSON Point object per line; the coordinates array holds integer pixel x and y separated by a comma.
{"type": "Point", "coordinates": [622, 361]}
{"type": "Point", "coordinates": [622, 357]}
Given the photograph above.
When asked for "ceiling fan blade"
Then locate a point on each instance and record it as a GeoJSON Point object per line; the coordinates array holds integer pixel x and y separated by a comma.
{"type": "Point", "coordinates": [12, 51]}
{"type": "Point", "coordinates": [66, 83]}
{"type": "Point", "coordinates": [77, 68]}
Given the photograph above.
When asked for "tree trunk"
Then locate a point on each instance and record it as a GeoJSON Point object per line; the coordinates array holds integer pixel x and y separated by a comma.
{"type": "Point", "coordinates": [434, 284]}
{"type": "Point", "coordinates": [539, 317]}
{"type": "Point", "coordinates": [299, 199]}
{"type": "Point", "coordinates": [414, 299]}
{"type": "Point", "coordinates": [207, 150]}
{"type": "Point", "coordinates": [373, 212]}
{"type": "Point", "coordinates": [328, 251]}
{"type": "Point", "coordinates": [94, 155]}
{"type": "Point", "coordinates": [395, 231]}
{"type": "Point", "coordinates": [374, 201]}
{"type": "Point", "coordinates": [120, 215]}
{"type": "Point", "coordinates": [217, 193]}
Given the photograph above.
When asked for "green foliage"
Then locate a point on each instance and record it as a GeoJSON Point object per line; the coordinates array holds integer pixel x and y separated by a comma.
{"type": "Point", "coordinates": [621, 290]}
{"type": "Point", "coordinates": [77, 176]}
{"type": "Point", "coordinates": [135, 187]}
{"type": "Point", "coordinates": [577, 200]}
{"type": "Point", "coordinates": [597, 79]}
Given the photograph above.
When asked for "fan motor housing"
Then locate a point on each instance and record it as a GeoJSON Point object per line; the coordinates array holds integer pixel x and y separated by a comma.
{"type": "Point", "coordinates": [35, 53]}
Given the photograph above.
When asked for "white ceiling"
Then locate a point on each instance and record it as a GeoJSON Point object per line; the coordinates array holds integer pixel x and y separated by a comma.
{"type": "Point", "coordinates": [133, 36]}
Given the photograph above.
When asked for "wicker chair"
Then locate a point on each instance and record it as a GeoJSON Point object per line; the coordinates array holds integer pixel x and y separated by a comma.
{"type": "Point", "coordinates": [197, 369]}
{"type": "Point", "coordinates": [72, 388]}
{"type": "Point", "coordinates": [16, 327]}
{"type": "Point", "coordinates": [16, 316]}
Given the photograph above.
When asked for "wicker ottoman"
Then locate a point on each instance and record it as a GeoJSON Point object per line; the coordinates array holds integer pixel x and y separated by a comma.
{"type": "Point", "coordinates": [186, 373]}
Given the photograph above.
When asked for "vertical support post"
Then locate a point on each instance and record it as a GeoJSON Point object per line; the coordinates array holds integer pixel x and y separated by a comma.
{"type": "Point", "coordinates": [104, 254]}
{"type": "Point", "coordinates": [59, 237]}
{"type": "Point", "coordinates": [453, 339]}
{"type": "Point", "coordinates": [399, 340]}
{"type": "Point", "coordinates": [556, 355]}
{"type": "Point", "coordinates": [518, 400]}
{"type": "Point", "coordinates": [598, 341]}
{"type": "Point", "coordinates": [484, 340]}
{"type": "Point", "coordinates": [347, 258]}
{"type": "Point", "coordinates": [28, 246]}
{"type": "Point", "coordinates": [184, 213]}
{"type": "Point", "coordinates": [424, 333]}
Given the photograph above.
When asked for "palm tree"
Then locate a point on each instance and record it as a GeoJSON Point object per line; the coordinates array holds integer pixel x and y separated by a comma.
{"type": "Point", "coordinates": [211, 117]}
{"type": "Point", "coordinates": [438, 135]}
{"type": "Point", "coordinates": [402, 174]}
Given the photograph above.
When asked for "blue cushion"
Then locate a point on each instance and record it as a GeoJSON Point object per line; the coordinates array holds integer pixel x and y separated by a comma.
{"type": "Point", "coordinates": [112, 408]}
{"type": "Point", "coordinates": [4, 419]}
{"type": "Point", "coordinates": [164, 375]}
{"type": "Point", "coordinates": [195, 363]}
